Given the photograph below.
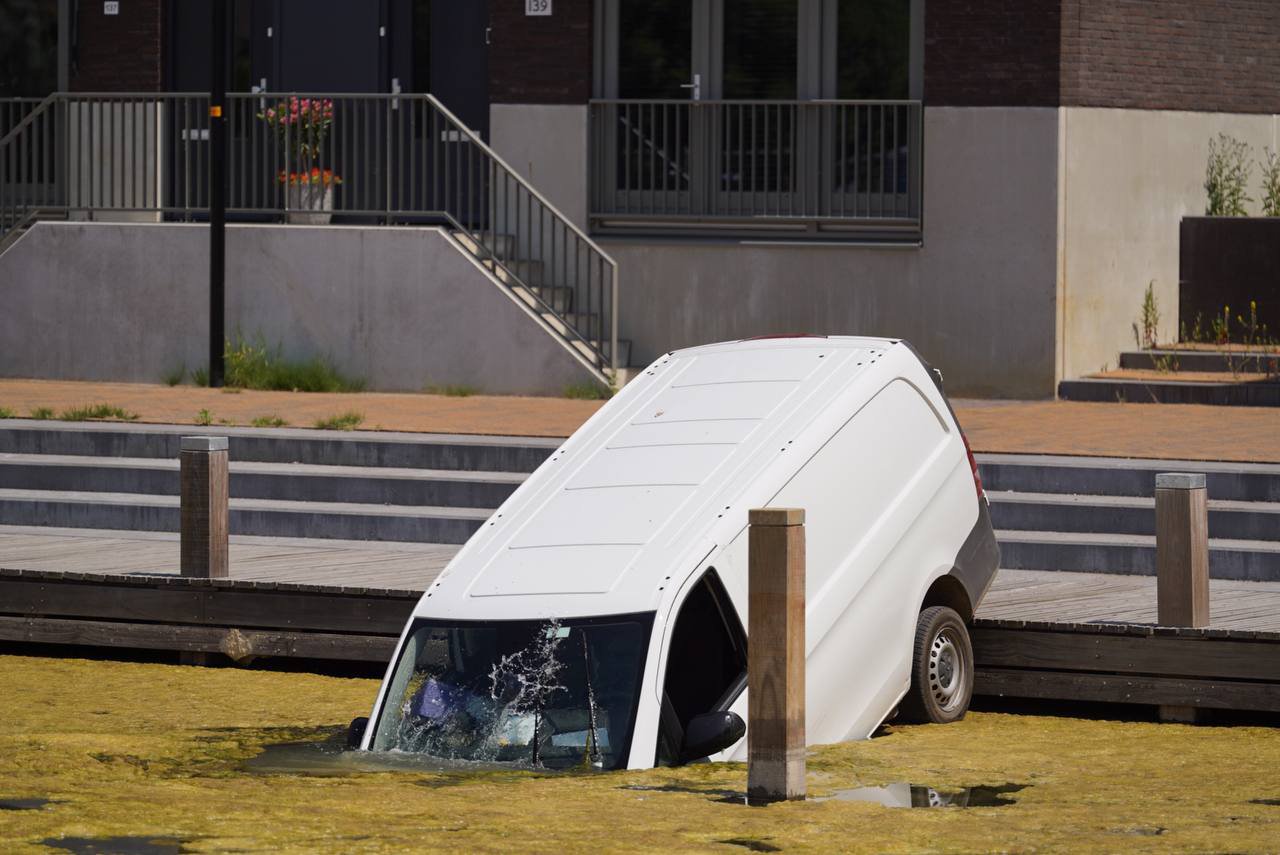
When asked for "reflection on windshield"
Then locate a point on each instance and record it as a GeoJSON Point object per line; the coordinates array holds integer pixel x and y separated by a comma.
{"type": "Point", "coordinates": [551, 693]}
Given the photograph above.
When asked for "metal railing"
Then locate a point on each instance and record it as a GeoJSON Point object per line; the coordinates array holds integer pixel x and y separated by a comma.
{"type": "Point", "coordinates": [368, 159]}
{"type": "Point", "coordinates": [14, 110]}
{"type": "Point", "coordinates": [834, 168]}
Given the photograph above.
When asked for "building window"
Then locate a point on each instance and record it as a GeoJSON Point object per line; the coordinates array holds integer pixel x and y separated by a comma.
{"type": "Point", "coordinates": [873, 46]}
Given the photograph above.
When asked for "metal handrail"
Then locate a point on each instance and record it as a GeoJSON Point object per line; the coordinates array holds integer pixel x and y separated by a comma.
{"type": "Point", "coordinates": [852, 169]}
{"type": "Point", "coordinates": [387, 158]}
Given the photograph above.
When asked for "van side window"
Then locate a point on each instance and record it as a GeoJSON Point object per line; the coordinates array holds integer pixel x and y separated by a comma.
{"type": "Point", "coordinates": [706, 666]}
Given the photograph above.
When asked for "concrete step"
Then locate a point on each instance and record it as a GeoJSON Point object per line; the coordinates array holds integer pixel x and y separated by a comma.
{"type": "Point", "coordinates": [1124, 515]}
{"type": "Point", "coordinates": [501, 245]}
{"type": "Point", "coordinates": [1123, 476]}
{"type": "Point", "coordinates": [269, 518]}
{"type": "Point", "coordinates": [282, 445]}
{"type": "Point", "coordinates": [249, 480]}
{"type": "Point", "coordinates": [558, 299]}
{"type": "Point", "coordinates": [1130, 554]}
{"type": "Point", "coordinates": [1163, 359]}
{"type": "Point", "coordinates": [1226, 393]}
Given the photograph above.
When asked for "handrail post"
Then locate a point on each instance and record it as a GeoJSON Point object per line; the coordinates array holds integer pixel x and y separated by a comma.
{"type": "Point", "coordinates": [775, 655]}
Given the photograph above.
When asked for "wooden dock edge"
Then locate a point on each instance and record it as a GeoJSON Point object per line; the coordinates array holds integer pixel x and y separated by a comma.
{"type": "Point", "coordinates": [1107, 662]}
{"type": "Point", "coordinates": [1128, 663]}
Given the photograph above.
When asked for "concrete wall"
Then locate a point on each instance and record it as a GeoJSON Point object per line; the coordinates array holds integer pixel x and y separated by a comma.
{"type": "Point", "coordinates": [401, 308]}
{"type": "Point", "coordinates": [977, 299]}
{"type": "Point", "coordinates": [1129, 177]}
{"type": "Point", "coordinates": [547, 145]}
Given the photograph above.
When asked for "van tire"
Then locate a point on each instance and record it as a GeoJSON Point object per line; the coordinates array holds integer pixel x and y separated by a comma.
{"type": "Point", "coordinates": [941, 669]}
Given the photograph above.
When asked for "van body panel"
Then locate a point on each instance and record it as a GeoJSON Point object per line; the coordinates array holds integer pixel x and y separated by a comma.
{"type": "Point", "coordinates": [630, 512]}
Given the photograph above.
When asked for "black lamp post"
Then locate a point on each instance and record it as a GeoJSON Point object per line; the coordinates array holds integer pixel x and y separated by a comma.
{"type": "Point", "coordinates": [217, 192]}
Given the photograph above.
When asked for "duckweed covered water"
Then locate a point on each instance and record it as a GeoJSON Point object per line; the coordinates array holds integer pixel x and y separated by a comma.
{"type": "Point", "coordinates": [180, 757]}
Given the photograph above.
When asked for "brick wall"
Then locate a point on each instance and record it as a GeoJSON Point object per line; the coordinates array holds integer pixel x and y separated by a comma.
{"type": "Point", "coordinates": [119, 53]}
{"type": "Point", "coordinates": [992, 52]}
{"type": "Point", "coordinates": [540, 60]}
{"type": "Point", "coordinates": [1206, 55]}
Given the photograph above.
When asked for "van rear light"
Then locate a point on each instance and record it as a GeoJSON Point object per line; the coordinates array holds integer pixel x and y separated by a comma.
{"type": "Point", "coordinates": [973, 466]}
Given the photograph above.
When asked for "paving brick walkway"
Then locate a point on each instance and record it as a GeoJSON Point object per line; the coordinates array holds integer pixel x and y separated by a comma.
{"type": "Point", "coordinates": [1186, 432]}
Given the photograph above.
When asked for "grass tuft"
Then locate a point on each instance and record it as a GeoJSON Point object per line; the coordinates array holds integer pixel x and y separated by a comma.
{"type": "Point", "coordinates": [200, 376]}
{"type": "Point", "coordinates": [176, 376]}
{"type": "Point", "coordinates": [97, 411]}
{"type": "Point", "coordinates": [268, 421]}
{"type": "Point", "coordinates": [204, 417]}
{"type": "Point", "coordinates": [455, 390]}
{"type": "Point", "coordinates": [343, 421]}
{"type": "Point", "coordinates": [42, 413]}
{"type": "Point", "coordinates": [6, 413]}
{"type": "Point", "coordinates": [252, 365]}
{"type": "Point", "coordinates": [587, 392]}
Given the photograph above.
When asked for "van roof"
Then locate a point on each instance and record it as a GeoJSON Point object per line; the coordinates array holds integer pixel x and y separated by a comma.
{"type": "Point", "coordinates": [630, 505]}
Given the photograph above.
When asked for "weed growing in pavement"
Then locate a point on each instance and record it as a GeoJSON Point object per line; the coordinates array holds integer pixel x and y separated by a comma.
{"type": "Point", "coordinates": [455, 390]}
{"type": "Point", "coordinates": [1270, 183]}
{"type": "Point", "coordinates": [268, 421]}
{"type": "Point", "coordinates": [1146, 330]}
{"type": "Point", "coordinates": [252, 365]}
{"type": "Point", "coordinates": [1225, 177]}
{"type": "Point", "coordinates": [587, 392]}
{"type": "Point", "coordinates": [42, 413]}
{"type": "Point", "coordinates": [176, 376]}
{"type": "Point", "coordinates": [204, 417]}
{"type": "Point", "coordinates": [97, 411]}
{"type": "Point", "coordinates": [6, 413]}
{"type": "Point", "coordinates": [200, 376]}
{"type": "Point", "coordinates": [349, 420]}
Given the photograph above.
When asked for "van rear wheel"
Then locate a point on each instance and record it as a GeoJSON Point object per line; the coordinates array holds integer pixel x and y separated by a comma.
{"type": "Point", "coordinates": [941, 668]}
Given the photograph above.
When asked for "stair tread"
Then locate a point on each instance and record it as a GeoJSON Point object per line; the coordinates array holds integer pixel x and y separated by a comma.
{"type": "Point", "coordinates": [1099, 500]}
{"type": "Point", "coordinates": [155, 501]}
{"type": "Point", "coordinates": [1106, 539]}
{"type": "Point", "coordinates": [291, 469]}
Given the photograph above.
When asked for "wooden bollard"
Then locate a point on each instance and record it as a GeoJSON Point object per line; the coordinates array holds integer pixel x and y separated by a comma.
{"type": "Point", "coordinates": [203, 489]}
{"type": "Point", "coordinates": [1182, 562]}
{"type": "Point", "coordinates": [775, 656]}
{"type": "Point", "coordinates": [1182, 550]}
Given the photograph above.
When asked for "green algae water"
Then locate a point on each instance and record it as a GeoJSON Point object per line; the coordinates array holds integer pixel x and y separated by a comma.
{"type": "Point", "coordinates": [104, 756]}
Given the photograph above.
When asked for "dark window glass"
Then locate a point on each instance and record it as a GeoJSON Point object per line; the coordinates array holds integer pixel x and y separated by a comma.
{"type": "Point", "coordinates": [241, 48]}
{"type": "Point", "coordinates": [760, 44]}
{"type": "Point", "coordinates": [654, 44]}
{"type": "Point", "coordinates": [872, 50]}
{"type": "Point", "coordinates": [28, 48]}
{"type": "Point", "coordinates": [421, 46]}
{"type": "Point", "coordinates": [707, 660]}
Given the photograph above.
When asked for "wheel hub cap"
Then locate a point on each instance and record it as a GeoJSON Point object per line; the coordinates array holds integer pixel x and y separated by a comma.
{"type": "Point", "coordinates": [946, 672]}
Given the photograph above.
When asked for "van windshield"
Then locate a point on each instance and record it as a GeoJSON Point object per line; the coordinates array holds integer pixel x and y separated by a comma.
{"type": "Point", "coordinates": [556, 694]}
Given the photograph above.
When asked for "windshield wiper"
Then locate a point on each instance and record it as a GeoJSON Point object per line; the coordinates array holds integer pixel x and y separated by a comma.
{"type": "Point", "coordinates": [593, 745]}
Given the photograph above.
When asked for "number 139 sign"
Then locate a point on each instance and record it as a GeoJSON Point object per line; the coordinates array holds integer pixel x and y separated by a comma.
{"type": "Point", "coordinates": [537, 7]}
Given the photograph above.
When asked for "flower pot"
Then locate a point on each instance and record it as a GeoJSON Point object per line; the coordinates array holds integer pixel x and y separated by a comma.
{"type": "Point", "coordinates": [309, 204]}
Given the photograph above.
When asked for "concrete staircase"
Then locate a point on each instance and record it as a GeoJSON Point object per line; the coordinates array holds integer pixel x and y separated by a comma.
{"type": "Point", "coordinates": [284, 482]}
{"type": "Point", "coordinates": [1098, 514]}
{"type": "Point", "coordinates": [562, 307]}
{"type": "Point", "coordinates": [1051, 513]}
{"type": "Point", "coordinates": [1248, 377]}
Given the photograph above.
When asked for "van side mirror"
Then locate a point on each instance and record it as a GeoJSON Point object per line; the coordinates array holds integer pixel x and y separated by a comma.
{"type": "Point", "coordinates": [355, 731]}
{"type": "Point", "coordinates": [711, 732]}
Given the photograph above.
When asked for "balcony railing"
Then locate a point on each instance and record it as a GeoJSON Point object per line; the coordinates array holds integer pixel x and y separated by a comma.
{"type": "Point", "coordinates": [800, 169]}
{"type": "Point", "coordinates": [347, 159]}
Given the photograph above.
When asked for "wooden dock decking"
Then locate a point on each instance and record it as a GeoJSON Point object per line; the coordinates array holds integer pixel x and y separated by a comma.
{"type": "Point", "coordinates": [1061, 635]}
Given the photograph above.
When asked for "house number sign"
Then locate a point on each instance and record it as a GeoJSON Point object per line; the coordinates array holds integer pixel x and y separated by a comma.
{"type": "Point", "coordinates": [537, 7]}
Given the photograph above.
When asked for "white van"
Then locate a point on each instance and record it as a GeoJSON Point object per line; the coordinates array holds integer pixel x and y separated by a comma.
{"type": "Point", "coordinates": [598, 617]}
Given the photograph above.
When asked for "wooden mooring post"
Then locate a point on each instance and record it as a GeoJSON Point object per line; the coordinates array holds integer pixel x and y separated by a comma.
{"type": "Point", "coordinates": [775, 656]}
{"type": "Point", "coordinates": [203, 489]}
{"type": "Point", "coordinates": [1182, 560]}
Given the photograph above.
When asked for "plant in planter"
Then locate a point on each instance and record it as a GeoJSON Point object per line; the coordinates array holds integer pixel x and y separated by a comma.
{"type": "Point", "coordinates": [1226, 175]}
{"type": "Point", "coordinates": [1270, 183]}
{"type": "Point", "coordinates": [301, 126]}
